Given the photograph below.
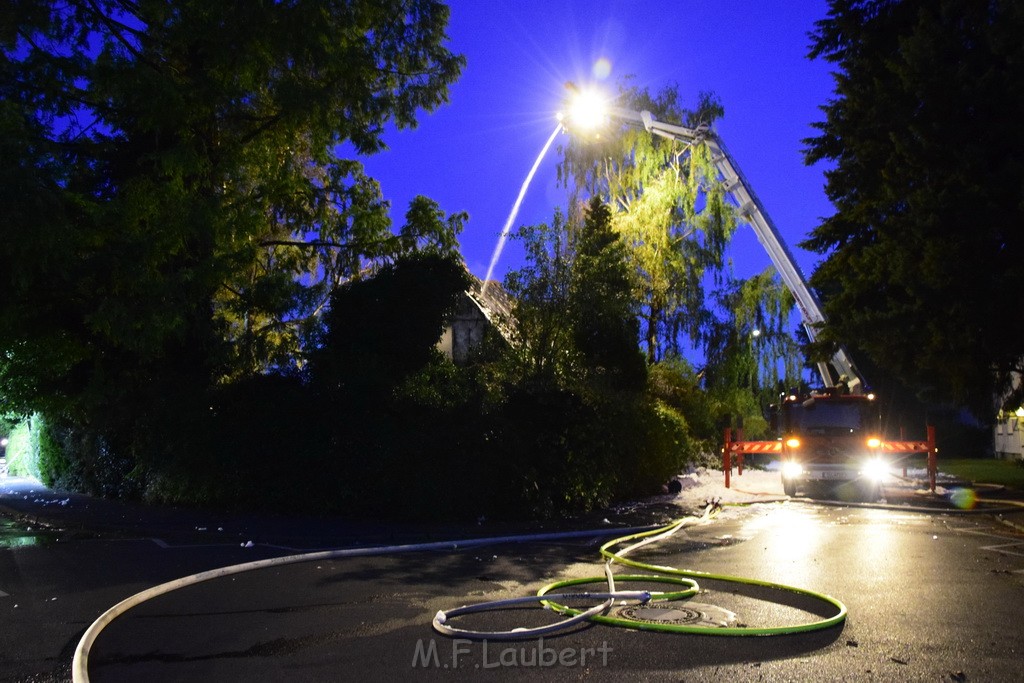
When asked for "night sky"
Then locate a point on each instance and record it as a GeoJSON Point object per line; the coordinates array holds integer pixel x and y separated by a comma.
{"type": "Point", "coordinates": [474, 153]}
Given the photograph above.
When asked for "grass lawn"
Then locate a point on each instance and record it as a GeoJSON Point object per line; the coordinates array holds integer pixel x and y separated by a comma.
{"type": "Point", "coordinates": [985, 470]}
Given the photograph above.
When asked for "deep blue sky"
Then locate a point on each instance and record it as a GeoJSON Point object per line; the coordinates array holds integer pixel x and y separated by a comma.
{"type": "Point", "coordinates": [474, 153]}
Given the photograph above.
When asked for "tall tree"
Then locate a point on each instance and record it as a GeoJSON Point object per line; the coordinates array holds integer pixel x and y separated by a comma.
{"type": "Point", "coordinates": [602, 311]}
{"type": "Point", "coordinates": [543, 352]}
{"type": "Point", "coordinates": [180, 184]}
{"type": "Point", "coordinates": [925, 253]}
{"type": "Point", "coordinates": [752, 347]}
{"type": "Point", "coordinates": [575, 312]}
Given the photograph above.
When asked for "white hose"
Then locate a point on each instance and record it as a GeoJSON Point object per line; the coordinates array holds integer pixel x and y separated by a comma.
{"type": "Point", "coordinates": [442, 626]}
{"type": "Point", "coordinates": [80, 663]}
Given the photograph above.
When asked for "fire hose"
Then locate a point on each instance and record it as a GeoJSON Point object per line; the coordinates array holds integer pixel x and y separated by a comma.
{"type": "Point", "coordinates": [684, 580]}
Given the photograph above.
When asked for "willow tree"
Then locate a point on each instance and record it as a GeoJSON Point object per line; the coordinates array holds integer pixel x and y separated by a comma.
{"type": "Point", "coordinates": [672, 209]}
{"type": "Point", "coordinates": [669, 206]}
{"type": "Point", "coordinates": [750, 346]}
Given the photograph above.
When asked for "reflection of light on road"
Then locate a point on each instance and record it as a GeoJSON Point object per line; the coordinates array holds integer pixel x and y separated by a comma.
{"type": "Point", "coordinates": [14, 534]}
{"type": "Point", "coordinates": [798, 543]}
{"type": "Point", "coordinates": [791, 537]}
{"type": "Point", "coordinates": [875, 544]}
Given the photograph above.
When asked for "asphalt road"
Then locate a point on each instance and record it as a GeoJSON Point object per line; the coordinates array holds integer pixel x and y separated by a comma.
{"type": "Point", "coordinates": [931, 597]}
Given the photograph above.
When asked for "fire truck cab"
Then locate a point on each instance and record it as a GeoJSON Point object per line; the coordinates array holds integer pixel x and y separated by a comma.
{"type": "Point", "coordinates": [831, 437]}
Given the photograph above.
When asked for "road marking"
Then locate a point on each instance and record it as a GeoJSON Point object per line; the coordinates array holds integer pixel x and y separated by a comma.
{"type": "Point", "coordinates": [976, 532]}
{"type": "Point", "coordinates": [4, 595]}
{"type": "Point", "coordinates": [1000, 548]}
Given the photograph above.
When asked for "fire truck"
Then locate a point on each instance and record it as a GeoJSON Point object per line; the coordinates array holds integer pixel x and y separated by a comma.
{"type": "Point", "coordinates": [832, 435]}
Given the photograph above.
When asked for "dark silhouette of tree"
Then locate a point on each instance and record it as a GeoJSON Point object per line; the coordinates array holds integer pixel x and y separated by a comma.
{"type": "Point", "coordinates": [925, 253]}
{"type": "Point", "coordinates": [602, 312]}
{"type": "Point", "coordinates": [182, 191]}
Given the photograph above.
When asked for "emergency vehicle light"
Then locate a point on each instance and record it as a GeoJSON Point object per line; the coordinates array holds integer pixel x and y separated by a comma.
{"type": "Point", "coordinates": [791, 469]}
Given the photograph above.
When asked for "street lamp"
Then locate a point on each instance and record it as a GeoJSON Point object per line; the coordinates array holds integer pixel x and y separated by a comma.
{"type": "Point", "coordinates": [588, 109]}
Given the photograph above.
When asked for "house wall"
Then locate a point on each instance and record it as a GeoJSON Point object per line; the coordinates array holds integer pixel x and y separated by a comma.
{"type": "Point", "coordinates": [1009, 437]}
{"type": "Point", "coordinates": [465, 332]}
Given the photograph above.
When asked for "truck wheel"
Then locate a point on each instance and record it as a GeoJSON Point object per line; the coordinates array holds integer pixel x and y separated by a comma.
{"type": "Point", "coordinates": [789, 487]}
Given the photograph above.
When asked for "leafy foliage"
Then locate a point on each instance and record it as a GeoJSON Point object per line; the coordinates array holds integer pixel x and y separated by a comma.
{"type": "Point", "coordinates": [668, 204]}
{"type": "Point", "coordinates": [381, 329]}
{"type": "Point", "coordinates": [583, 428]}
{"type": "Point", "coordinates": [543, 352]}
{"type": "Point", "coordinates": [602, 312]}
{"type": "Point", "coordinates": [750, 349]}
{"type": "Point", "coordinates": [925, 252]}
{"type": "Point", "coordinates": [376, 415]}
{"type": "Point", "coordinates": [179, 198]}
{"type": "Point", "coordinates": [674, 215]}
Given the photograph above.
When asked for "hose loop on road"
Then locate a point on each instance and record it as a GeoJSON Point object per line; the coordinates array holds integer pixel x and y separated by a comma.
{"type": "Point", "coordinates": [599, 613]}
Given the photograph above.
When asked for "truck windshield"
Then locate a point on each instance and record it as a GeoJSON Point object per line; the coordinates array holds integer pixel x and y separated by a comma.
{"type": "Point", "coordinates": [826, 418]}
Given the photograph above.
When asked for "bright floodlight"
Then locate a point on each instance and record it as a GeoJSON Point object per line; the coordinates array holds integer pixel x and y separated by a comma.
{"type": "Point", "coordinates": [791, 469]}
{"type": "Point", "coordinates": [587, 110]}
{"type": "Point", "coordinates": [875, 469]}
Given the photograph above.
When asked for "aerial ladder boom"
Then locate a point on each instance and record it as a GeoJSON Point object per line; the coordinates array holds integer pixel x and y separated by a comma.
{"type": "Point", "coordinates": [753, 211]}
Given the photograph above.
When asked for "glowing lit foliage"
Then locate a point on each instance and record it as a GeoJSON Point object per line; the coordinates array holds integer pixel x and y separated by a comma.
{"type": "Point", "coordinates": [177, 201]}
{"type": "Point", "coordinates": [925, 253]}
{"type": "Point", "coordinates": [669, 207]}
{"type": "Point", "coordinates": [749, 347]}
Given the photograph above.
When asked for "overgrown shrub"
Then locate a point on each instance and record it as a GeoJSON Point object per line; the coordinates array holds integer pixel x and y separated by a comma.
{"type": "Point", "coordinates": [51, 463]}
{"type": "Point", "coordinates": [63, 457]}
{"type": "Point", "coordinates": [260, 444]}
{"type": "Point", "coordinates": [19, 452]}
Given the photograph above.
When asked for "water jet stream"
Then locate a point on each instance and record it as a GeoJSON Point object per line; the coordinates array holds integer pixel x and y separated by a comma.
{"type": "Point", "coordinates": [515, 210]}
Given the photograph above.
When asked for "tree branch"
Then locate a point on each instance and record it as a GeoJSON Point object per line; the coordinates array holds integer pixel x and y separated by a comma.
{"type": "Point", "coordinates": [304, 244]}
{"type": "Point", "coordinates": [113, 26]}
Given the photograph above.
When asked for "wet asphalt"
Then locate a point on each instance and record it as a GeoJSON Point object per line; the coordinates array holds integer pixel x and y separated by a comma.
{"type": "Point", "coordinates": [933, 594]}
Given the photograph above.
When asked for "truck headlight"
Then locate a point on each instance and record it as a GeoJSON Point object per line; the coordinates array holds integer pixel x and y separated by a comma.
{"type": "Point", "coordinates": [875, 469]}
{"type": "Point", "coordinates": [792, 470]}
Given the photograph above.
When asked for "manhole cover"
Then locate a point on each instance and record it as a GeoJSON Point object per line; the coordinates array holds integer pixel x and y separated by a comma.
{"type": "Point", "coordinates": [690, 614]}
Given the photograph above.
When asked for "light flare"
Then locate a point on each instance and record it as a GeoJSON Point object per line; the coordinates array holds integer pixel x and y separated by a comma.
{"type": "Point", "coordinates": [964, 498]}
{"type": "Point", "coordinates": [588, 110]}
{"type": "Point", "coordinates": [875, 469]}
{"type": "Point", "coordinates": [792, 469]}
